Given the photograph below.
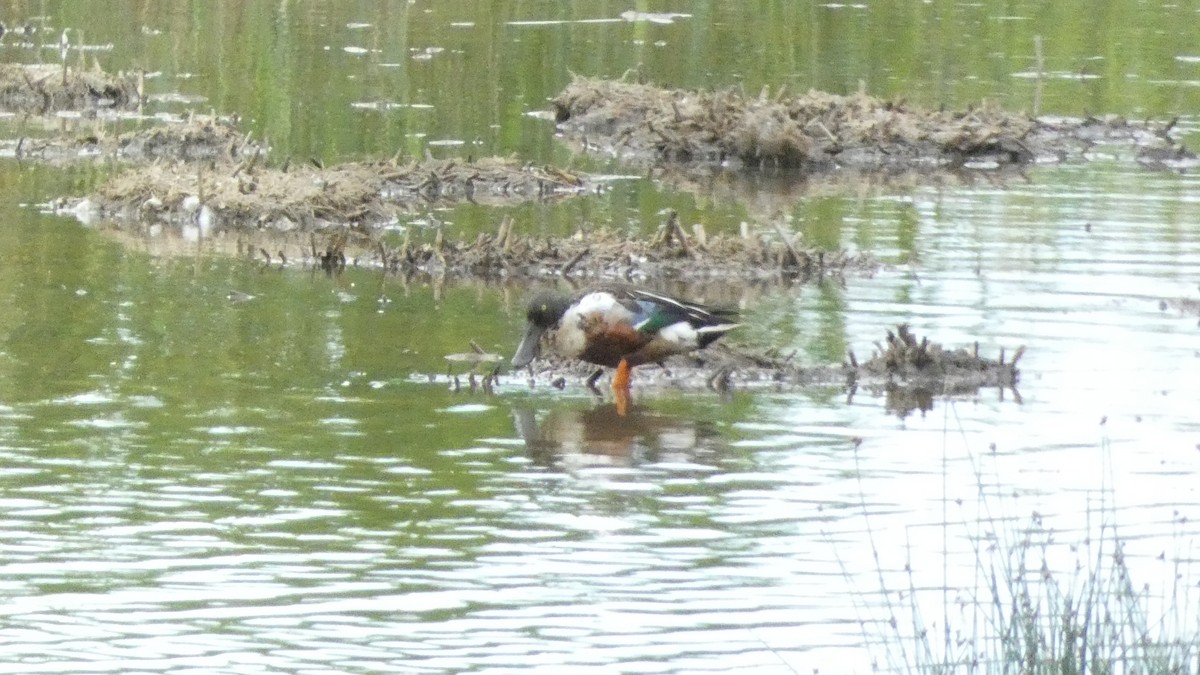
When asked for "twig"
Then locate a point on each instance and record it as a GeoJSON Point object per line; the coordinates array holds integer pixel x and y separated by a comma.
{"type": "Point", "coordinates": [820, 125]}
{"type": "Point", "coordinates": [1039, 59]}
{"type": "Point", "coordinates": [566, 268]}
{"type": "Point", "coordinates": [787, 241]}
{"type": "Point", "coordinates": [506, 243]}
{"type": "Point", "coordinates": [1017, 356]}
{"type": "Point", "coordinates": [677, 230]}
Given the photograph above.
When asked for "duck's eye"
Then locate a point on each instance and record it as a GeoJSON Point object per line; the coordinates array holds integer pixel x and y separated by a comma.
{"type": "Point", "coordinates": [545, 308]}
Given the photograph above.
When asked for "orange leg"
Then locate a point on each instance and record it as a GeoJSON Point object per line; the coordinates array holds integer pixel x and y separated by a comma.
{"type": "Point", "coordinates": [621, 379]}
{"type": "Point", "coordinates": [620, 387]}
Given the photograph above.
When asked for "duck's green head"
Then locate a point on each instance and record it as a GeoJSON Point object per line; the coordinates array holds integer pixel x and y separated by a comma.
{"type": "Point", "coordinates": [546, 309]}
{"type": "Point", "coordinates": [544, 313]}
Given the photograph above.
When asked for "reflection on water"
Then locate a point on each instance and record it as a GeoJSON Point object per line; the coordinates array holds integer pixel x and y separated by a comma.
{"type": "Point", "coordinates": [904, 399]}
{"type": "Point", "coordinates": [600, 436]}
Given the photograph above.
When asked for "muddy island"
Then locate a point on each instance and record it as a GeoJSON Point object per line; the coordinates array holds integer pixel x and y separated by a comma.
{"type": "Point", "coordinates": [817, 131]}
{"type": "Point", "coordinates": [42, 89]}
{"type": "Point", "coordinates": [203, 185]}
{"type": "Point", "coordinates": [910, 371]}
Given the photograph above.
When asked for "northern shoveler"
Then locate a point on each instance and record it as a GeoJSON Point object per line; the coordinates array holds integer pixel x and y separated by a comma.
{"type": "Point", "coordinates": [619, 326]}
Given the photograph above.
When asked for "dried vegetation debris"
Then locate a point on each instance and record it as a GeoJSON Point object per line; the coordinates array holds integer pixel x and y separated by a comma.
{"type": "Point", "coordinates": [359, 194]}
{"type": "Point", "coordinates": [297, 232]}
{"type": "Point", "coordinates": [41, 89]}
{"type": "Point", "coordinates": [350, 211]}
{"type": "Point", "coordinates": [173, 192]}
{"type": "Point", "coordinates": [604, 254]}
{"type": "Point", "coordinates": [196, 138]}
{"type": "Point", "coordinates": [816, 130]}
{"type": "Point", "coordinates": [911, 373]}
{"type": "Point", "coordinates": [902, 357]}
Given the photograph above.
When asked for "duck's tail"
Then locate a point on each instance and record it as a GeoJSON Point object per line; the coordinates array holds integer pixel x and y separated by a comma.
{"type": "Point", "coordinates": [706, 335]}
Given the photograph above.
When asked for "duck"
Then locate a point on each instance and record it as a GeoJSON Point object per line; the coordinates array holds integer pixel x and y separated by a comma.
{"type": "Point", "coordinates": [619, 327]}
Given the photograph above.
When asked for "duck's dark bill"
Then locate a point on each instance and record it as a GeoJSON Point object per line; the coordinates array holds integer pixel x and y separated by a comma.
{"type": "Point", "coordinates": [529, 347]}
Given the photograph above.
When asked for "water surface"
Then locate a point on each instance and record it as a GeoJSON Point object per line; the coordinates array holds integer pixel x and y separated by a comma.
{"type": "Point", "coordinates": [218, 466]}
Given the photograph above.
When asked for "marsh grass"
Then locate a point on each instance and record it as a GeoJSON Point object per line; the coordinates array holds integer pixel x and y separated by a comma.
{"type": "Point", "coordinates": [1042, 600]}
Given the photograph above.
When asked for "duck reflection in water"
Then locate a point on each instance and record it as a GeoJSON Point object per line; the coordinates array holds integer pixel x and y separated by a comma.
{"type": "Point", "coordinates": [607, 436]}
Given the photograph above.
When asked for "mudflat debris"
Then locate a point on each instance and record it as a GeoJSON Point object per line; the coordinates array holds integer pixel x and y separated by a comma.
{"type": "Point", "coordinates": [196, 138]}
{"type": "Point", "coordinates": [41, 89]}
{"type": "Point", "coordinates": [192, 139]}
{"type": "Point", "coordinates": [349, 215]}
{"type": "Point", "coordinates": [601, 254]}
{"type": "Point", "coordinates": [304, 229]}
{"type": "Point", "coordinates": [911, 371]}
{"type": "Point", "coordinates": [902, 357]}
{"type": "Point", "coordinates": [820, 131]}
{"type": "Point", "coordinates": [202, 185]}
{"type": "Point", "coordinates": [248, 195]}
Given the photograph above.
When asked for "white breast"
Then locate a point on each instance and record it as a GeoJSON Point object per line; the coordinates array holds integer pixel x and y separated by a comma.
{"type": "Point", "coordinates": [569, 340]}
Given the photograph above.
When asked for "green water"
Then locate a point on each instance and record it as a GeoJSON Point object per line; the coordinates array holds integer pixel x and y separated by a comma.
{"type": "Point", "coordinates": [215, 465]}
{"type": "Point", "coordinates": [285, 66]}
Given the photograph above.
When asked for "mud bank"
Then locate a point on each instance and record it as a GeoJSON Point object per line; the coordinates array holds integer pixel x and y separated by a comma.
{"type": "Point", "coordinates": [194, 139]}
{"type": "Point", "coordinates": [364, 194]}
{"type": "Point", "coordinates": [818, 131]}
{"type": "Point", "coordinates": [304, 236]}
{"type": "Point", "coordinates": [911, 371]}
{"type": "Point", "coordinates": [41, 89]}
{"type": "Point", "coordinates": [349, 215]}
{"type": "Point", "coordinates": [671, 253]}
